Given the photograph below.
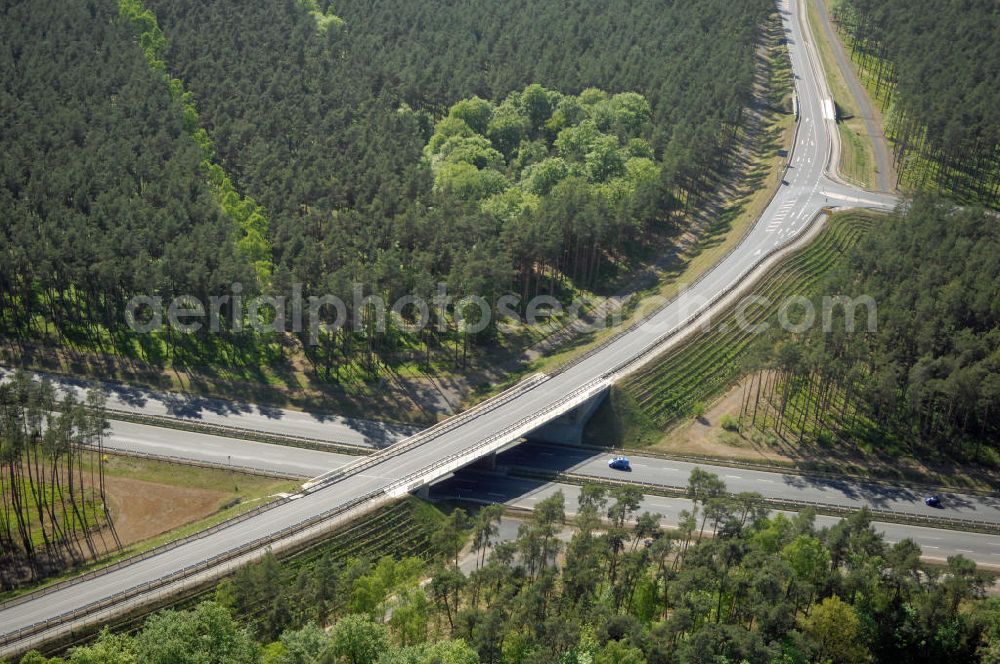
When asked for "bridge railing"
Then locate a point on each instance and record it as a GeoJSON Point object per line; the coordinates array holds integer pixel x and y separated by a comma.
{"type": "Point", "coordinates": [496, 440]}
{"type": "Point", "coordinates": [256, 545]}
{"type": "Point", "coordinates": [124, 562]}
{"type": "Point", "coordinates": [428, 434]}
{"type": "Point", "coordinates": [354, 467]}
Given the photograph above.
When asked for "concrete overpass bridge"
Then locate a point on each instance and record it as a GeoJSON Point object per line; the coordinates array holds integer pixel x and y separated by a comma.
{"type": "Point", "coordinates": [540, 403]}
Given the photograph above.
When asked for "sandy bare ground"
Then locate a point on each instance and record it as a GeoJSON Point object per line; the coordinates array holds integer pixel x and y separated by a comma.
{"type": "Point", "coordinates": [143, 509]}
{"type": "Point", "coordinates": [705, 436]}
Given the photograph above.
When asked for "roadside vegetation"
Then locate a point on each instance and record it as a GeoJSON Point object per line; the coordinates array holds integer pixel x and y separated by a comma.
{"type": "Point", "coordinates": [729, 584]}
{"type": "Point", "coordinates": [934, 69]}
{"type": "Point", "coordinates": [926, 382]}
{"type": "Point", "coordinates": [644, 406]}
{"type": "Point", "coordinates": [921, 388]}
{"type": "Point", "coordinates": [67, 506]}
{"type": "Point", "coordinates": [857, 160]}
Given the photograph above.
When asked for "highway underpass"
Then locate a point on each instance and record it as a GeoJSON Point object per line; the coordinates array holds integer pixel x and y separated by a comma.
{"type": "Point", "coordinates": [522, 492]}
{"type": "Point", "coordinates": [847, 493]}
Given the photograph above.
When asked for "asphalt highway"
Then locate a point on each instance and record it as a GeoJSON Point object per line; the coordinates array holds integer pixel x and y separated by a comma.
{"type": "Point", "coordinates": [936, 545]}
{"type": "Point", "coordinates": [785, 218]}
{"type": "Point", "coordinates": [307, 463]}
{"type": "Point", "coordinates": [848, 493]}
{"type": "Point", "coordinates": [233, 414]}
{"type": "Point", "coordinates": [217, 450]}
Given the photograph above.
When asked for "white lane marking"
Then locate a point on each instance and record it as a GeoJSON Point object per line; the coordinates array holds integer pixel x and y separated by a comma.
{"type": "Point", "coordinates": [766, 481]}
{"type": "Point", "coordinates": [928, 546]}
{"type": "Point", "coordinates": [964, 551]}
{"type": "Point", "coordinates": [733, 477]}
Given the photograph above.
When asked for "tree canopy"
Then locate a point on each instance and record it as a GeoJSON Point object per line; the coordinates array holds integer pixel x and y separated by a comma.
{"type": "Point", "coordinates": [609, 585]}
{"type": "Point", "coordinates": [937, 68]}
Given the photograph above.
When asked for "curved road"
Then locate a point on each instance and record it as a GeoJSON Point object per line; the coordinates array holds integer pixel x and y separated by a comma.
{"type": "Point", "coordinates": [504, 420]}
{"type": "Point", "coordinates": [883, 164]}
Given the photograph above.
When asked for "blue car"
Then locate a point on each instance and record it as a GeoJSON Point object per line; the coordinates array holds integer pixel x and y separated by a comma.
{"type": "Point", "coordinates": [932, 501]}
{"type": "Point", "coordinates": [619, 463]}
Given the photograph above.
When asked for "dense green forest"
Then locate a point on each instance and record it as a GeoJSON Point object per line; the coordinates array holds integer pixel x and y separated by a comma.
{"type": "Point", "coordinates": [327, 128]}
{"type": "Point", "coordinates": [620, 590]}
{"type": "Point", "coordinates": [570, 179]}
{"type": "Point", "coordinates": [55, 511]}
{"type": "Point", "coordinates": [936, 68]}
{"type": "Point", "coordinates": [928, 377]}
{"type": "Point", "coordinates": [100, 194]}
{"type": "Point", "coordinates": [195, 151]}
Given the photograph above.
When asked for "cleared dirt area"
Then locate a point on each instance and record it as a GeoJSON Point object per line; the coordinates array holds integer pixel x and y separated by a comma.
{"type": "Point", "coordinates": [145, 509]}
{"type": "Point", "coordinates": [704, 436]}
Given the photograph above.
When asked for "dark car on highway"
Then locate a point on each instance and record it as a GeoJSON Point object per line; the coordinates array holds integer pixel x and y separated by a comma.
{"type": "Point", "coordinates": [619, 463]}
{"type": "Point", "coordinates": [932, 501]}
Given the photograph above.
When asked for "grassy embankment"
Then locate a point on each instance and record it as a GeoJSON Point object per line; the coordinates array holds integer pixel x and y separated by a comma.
{"type": "Point", "coordinates": [917, 171]}
{"type": "Point", "coordinates": [642, 408]}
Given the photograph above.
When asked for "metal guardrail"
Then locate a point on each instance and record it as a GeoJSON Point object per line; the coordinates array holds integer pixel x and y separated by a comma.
{"type": "Point", "coordinates": [700, 311]}
{"type": "Point", "coordinates": [412, 442]}
{"type": "Point", "coordinates": [912, 518]}
{"type": "Point", "coordinates": [247, 433]}
{"type": "Point", "coordinates": [124, 562]}
{"type": "Point", "coordinates": [428, 434]}
{"type": "Point", "coordinates": [587, 390]}
{"type": "Point", "coordinates": [774, 467]}
{"type": "Point", "coordinates": [200, 463]}
{"type": "Point", "coordinates": [364, 462]}
{"type": "Point", "coordinates": [782, 503]}
{"type": "Point", "coordinates": [423, 437]}
{"type": "Point", "coordinates": [186, 572]}
{"type": "Point", "coordinates": [644, 319]}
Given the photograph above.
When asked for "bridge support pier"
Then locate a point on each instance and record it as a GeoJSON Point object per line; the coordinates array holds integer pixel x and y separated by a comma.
{"type": "Point", "coordinates": [568, 429]}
